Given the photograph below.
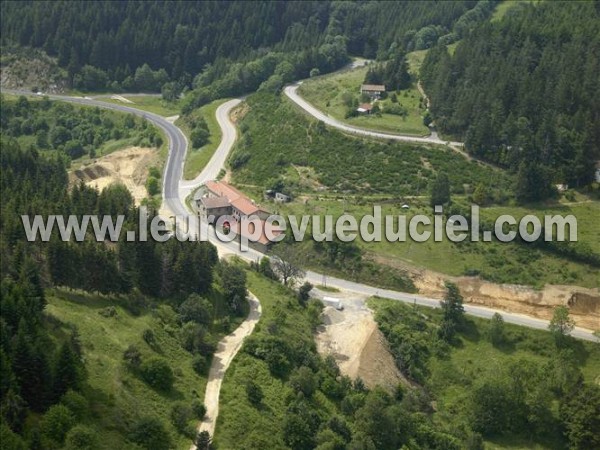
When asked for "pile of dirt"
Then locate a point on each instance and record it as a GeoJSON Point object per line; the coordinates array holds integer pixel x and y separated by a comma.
{"type": "Point", "coordinates": [583, 303]}
{"type": "Point", "coordinates": [128, 167]}
{"type": "Point", "coordinates": [352, 337]}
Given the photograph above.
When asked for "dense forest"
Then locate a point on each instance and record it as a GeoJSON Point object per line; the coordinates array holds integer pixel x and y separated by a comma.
{"type": "Point", "coordinates": [42, 363]}
{"type": "Point", "coordinates": [106, 44]}
{"type": "Point", "coordinates": [523, 93]}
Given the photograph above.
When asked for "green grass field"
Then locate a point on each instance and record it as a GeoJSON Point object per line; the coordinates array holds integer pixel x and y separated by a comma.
{"type": "Point", "coordinates": [150, 103]}
{"type": "Point", "coordinates": [495, 261]}
{"type": "Point", "coordinates": [325, 93]}
{"type": "Point", "coordinates": [415, 61]}
{"type": "Point", "coordinates": [119, 397]}
{"type": "Point", "coordinates": [196, 159]}
{"type": "Point", "coordinates": [506, 5]}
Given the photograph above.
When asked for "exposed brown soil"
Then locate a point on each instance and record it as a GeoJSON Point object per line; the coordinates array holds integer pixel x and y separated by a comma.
{"type": "Point", "coordinates": [352, 337]}
{"type": "Point", "coordinates": [583, 303]}
{"type": "Point", "coordinates": [239, 112]}
{"type": "Point", "coordinates": [128, 167]}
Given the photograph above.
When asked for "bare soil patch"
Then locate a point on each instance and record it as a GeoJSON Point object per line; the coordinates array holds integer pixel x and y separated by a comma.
{"type": "Point", "coordinates": [128, 167]}
{"type": "Point", "coordinates": [239, 112]}
{"type": "Point", "coordinates": [352, 337]}
{"type": "Point", "coordinates": [583, 303]}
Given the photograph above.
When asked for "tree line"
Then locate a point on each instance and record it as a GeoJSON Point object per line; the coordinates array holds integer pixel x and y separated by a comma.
{"type": "Point", "coordinates": [522, 93]}
{"type": "Point", "coordinates": [149, 46]}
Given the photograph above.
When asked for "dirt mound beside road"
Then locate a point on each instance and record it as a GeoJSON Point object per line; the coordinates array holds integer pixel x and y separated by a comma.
{"type": "Point", "coordinates": [128, 167]}
{"type": "Point", "coordinates": [583, 303]}
{"type": "Point", "coordinates": [352, 337]}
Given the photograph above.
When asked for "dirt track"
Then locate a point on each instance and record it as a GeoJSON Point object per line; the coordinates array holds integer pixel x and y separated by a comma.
{"type": "Point", "coordinates": [226, 351]}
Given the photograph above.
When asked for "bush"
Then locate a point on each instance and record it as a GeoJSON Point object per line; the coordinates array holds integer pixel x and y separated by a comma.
{"type": "Point", "coordinates": [304, 293]}
{"type": "Point", "coordinates": [109, 311]}
{"type": "Point", "coordinates": [396, 110]}
{"type": "Point", "coordinates": [149, 337]}
{"type": "Point", "coordinates": [151, 434]}
{"type": "Point", "coordinates": [200, 365]}
{"type": "Point", "coordinates": [76, 403]}
{"type": "Point", "coordinates": [132, 357]}
{"type": "Point", "coordinates": [196, 309]}
{"type": "Point", "coordinates": [199, 409]}
{"type": "Point", "coordinates": [56, 423]}
{"type": "Point", "coordinates": [239, 159]}
{"type": "Point", "coordinates": [152, 186]}
{"type": "Point", "coordinates": [303, 380]}
{"type": "Point", "coordinates": [254, 393]}
{"type": "Point", "coordinates": [199, 137]}
{"type": "Point", "coordinates": [81, 437]}
{"type": "Point", "coordinates": [181, 414]}
{"type": "Point", "coordinates": [158, 374]}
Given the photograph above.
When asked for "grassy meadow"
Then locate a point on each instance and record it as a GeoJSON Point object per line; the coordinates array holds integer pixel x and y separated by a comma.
{"type": "Point", "coordinates": [197, 158]}
{"type": "Point", "coordinates": [151, 103]}
{"type": "Point", "coordinates": [117, 396]}
{"type": "Point", "coordinates": [494, 261]}
{"type": "Point", "coordinates": [325, 92]}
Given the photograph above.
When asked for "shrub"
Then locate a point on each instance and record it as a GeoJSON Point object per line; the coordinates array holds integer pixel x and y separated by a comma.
{"type": "Point", "coordinates": [149, 337]}
{"type": "Point", "coordinates": [254, 393]}
{"type": "Point", "coordinates": [181, 414]}
{"type": "Point", "coordinates": [132, 357]}
{"type": "Point", "coordinates": [152, 186]}
{"type": "Point", "coordinates": [200, 364]}
{"type": "Point", "coordinates": [56, 423]}
{"type": "Point", "coordinates": [151, 434]}
{"type": "Point", "coordinates": [199, 137]}
{"type": "Point", "coordinates": [199, 409]}
{"type": "Point", "coordinates": [158, 374]}
{"type": "Point", "coordinates": [81, 437]}
{"type": "Point", "coordinates": [196, 309]}
{"type": "Point", "coordinates": [109, 311]}
{"type": "Point", "coordinates": [303, 380]}
{"type": "Point", "coordinates": [76, 403]}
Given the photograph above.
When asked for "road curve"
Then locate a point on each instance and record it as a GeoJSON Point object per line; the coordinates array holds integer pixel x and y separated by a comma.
{"type": "Point", "coordinates": [228, 347]}
{"type": "Point", "coordinates": [291, 92]}
{"type": "Point", "coordinates": [217, 162]}
{"type": "Point", "coordinates": [172, 176]}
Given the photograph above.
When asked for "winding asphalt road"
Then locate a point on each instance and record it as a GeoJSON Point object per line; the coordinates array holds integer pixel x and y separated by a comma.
{"type": "Point", "coordinates": [291, 92]}
{"type": "Point", "coordinates": [176, 203]}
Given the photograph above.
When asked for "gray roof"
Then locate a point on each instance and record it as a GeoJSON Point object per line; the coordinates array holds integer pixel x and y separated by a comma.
{"type": "Point", "coordinates": [373, 87]}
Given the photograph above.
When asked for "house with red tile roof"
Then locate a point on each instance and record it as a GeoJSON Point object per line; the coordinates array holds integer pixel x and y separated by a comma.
{"type": "Point", "coordinates": [218, 198]}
